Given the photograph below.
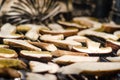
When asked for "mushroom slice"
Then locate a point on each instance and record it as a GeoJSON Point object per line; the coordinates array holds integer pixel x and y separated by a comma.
{"type": "Point", "coordinates": [44, 56]}
{"type": "Point", "coordinates": [48, 37]}
{"type": "Point", "coordinates": [98, 34]}
{"type": "Point", "coordinates": [66, 33]}
{"type": "Point", "coordinates": [115, 45]}
{"type": "Point", "coordinates": [8, 31]}
{"type": "Point", "coordinates": [43, 67]}
{"type": "Point", "coordinates": [118, 52]}
{"type": "Point", "coordinates": [67, 59]}
{"type": "Point", "coordinates": [64, 44]}
{"type": "Point", "coordinates": [117, 33]}
{"type": "Point", "coordinates": [7, 53]}
{"type": "Point", "coordinates": [93, 48]}
{"type": "Point", "coordinates": [85, 21]}
{"type": "Point", "coordinates": [12, 63]}
{"type": "Point", "coordinates": [55, 27]}
{"type": "Point", "coordinates": [71, 24]}
{"type": "Point", "coordinates": [113, 59]}
{"type": "Point", "coordinates": [45, 46]}
{"type": "Point", "coordinates": [20, 44]}
{"type": "Point", "coordinates": [59, 53]}
{"type": "Point", "coordinates": [91, 68]}
{"type": "Point", "coordinates": [77, 38]}
{"type": "Point", "coordinates": [4, 46]}
{"type": "Point", "coordinates": [110, 27]}
{"type": "Point", "coordinates": [9, 73]}
{"type": "Point", "coordinates": [34, 76]}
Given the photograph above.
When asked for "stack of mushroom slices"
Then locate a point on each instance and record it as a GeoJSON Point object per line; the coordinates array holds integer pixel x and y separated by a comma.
{"type": "Point", "coordinates": [60, 51]}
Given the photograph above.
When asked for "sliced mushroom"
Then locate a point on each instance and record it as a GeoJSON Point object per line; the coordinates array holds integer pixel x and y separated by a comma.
{"type": "Point", "coordinates": [67, 59]}
{"type": "Point", "coordinates": [48, 37]}
{"type": "Point", "coordinates": [77, 38]}
{"type": "Point", "coordinates": [113, 59]}
{"type": "Point", "coordinates": [57, 29]}
{"type": "Point", "coordinates": [115, 45]}
{"type": "Point", "coordinates": [93, 48]}
{"type": "Point", "coordinates": [8, 31]}
{"type": "Point", "coordinates": [117, 33]}
{"type": "Point", "coordinates": [4, 46]}
{"type": "Point", "coordinates": [12, 63]}
{"type": "Point", "coordinates": [43, 56]}
{"type": "Point", "coordinates": [110, 27]}
{"type": "Point", "coordinates": [7, 53]}
{"type": "Point", "coordinates": [43, 67]}
{"type": "Point", "coordinates": [91, 68]}
{"type": "Point", "coordinates": [72, 24]}
{"type": "Point", "coordinates": [34, 76]}
{"type": "Point", "coordinates": [58, 53]}
{"type": "Point", "coordinates": [9, 73]}
{"type": "Point", "coordinates": [85, 21]}
{"type": "Point", "coordinates": [20, 44]}
{"type": "Point", "coordinates": [118, 52]}
{"type": "Point", "coordinates": [98, 34]}
{"type": "Point", "coordinates": [45, 46]}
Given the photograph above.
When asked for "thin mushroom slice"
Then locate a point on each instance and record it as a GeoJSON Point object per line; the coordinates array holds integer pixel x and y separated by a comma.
{"type": "Point", "coordinates": [113, 59]}
{"type": "Point", "coordinates": [98, 34]}
{"type": "Point", "coordinates": [8, 31]}
{"type": "Point", "coordinates": [91, 68]}
{"type": "Point", "coordinates": [68, 59]}
{"type": "Point", "coordinates": [43, 67]}
{"type": "Point", "coordinates": [93, 48]}
{"type": "Point", "coordinates": [22, 44]}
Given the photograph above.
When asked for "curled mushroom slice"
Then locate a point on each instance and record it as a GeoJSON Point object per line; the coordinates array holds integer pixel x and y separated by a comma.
{"type": "Point", "coordinates": [34, 76]}
{"type": "Point", "coordinates": [43, 67]}
{"type": "Point", "coordinates": [22, 44]}
{"type": "Point", "coordinates": [98, 34]}
{"type": "Point", "coordinates": [93, 48]}
{"type": "Point", "coordinates": [8, 31]}
{"type": "Point", "coordinates": [43, 56]}
{"type": "Point", "coordinates": [91, 68]}
{"type": "Point", "coordinates": [67, 59]}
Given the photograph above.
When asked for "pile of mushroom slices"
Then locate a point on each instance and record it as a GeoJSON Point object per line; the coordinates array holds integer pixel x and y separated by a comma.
{"type": "Point", "coordinates": [49, 52]}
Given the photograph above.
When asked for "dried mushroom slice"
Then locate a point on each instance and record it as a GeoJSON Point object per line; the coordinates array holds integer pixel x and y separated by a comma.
{"type": "Point", "coordinates": [115, 45]}
{"type": "Point", "coordinates": [87, 22]}
{"type": "Point", "coordinates": [98, 34]}
{"type": "Point", "coordinates": [91, 68]}
{"type": "Point", "coordinates": [22, 44]}
{"type": "Point", "coordinates": [9, 73]}
{"type": "Point", "coordinates": [8, 31]}
{"type": "Point", "coordinates": [68, 59]}
{"type": "Point", "coordinates": [110, 27]}
{"type": "Point", "coordinates": [43, 67]}
{"type": "Point", "coordinates": [7, 53]}
{"type": "Point", "coordinates": [72, 24]}
{"type": "Point", "coordinates": [12, 63]}
{"type": "Point", "coordinates": [93, 48]}
{"type": "Point", "coordinates": [58, 53]}
{"type": "Point", "coordinates": [113, 59]}
{"type": "Point", "coordinates": [47, 37]}
{"type": "Point", "coordinates": [58, 29]}
{"type": "Point", "coordinates": [117, 33]}
{"type": "Point", "coordinates": [43, 56]}
{"type": "Point", "coordinates": [34, 76]}
{"type": "Point", "coordinates": [44, 46]}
